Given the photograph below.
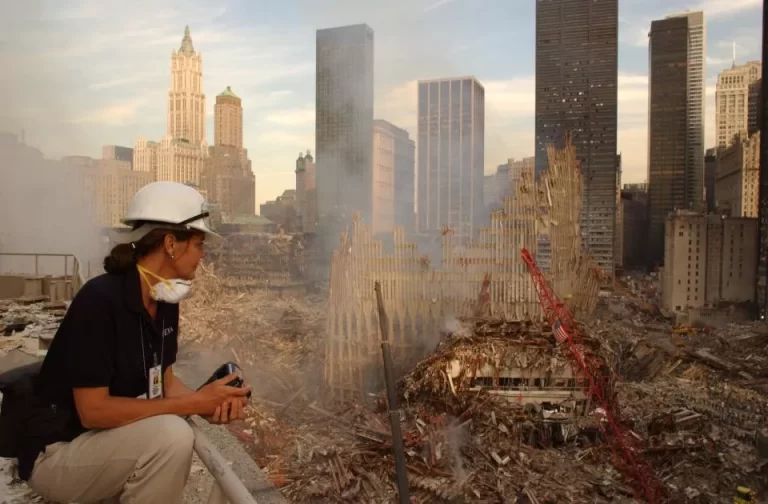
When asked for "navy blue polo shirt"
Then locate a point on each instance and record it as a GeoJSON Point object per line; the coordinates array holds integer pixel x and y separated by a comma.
{"type": "Point", "coordinates": [107, 339]}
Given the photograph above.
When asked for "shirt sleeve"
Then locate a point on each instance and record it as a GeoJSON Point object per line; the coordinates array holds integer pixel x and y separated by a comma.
{"type": "Point", "coordinates": [91, 340]}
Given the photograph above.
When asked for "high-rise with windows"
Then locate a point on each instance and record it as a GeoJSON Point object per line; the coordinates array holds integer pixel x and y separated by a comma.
{"type": "Point", "coordinates": [393, 177]}
{"type": "Point", "coordinates": [186, 101]}
{"type": "Point", "coordinates": [227, 177]}
{"type": "Point", "coordinates": [343, 126]}
{"type": "Point", "coordinates": [736, 104]}
{"type": "Point", "coordinates": [709, 260]}
{"type": "Point", "coordinates": [576, 94]}
{"type": "Point", "coordinates": [180, 155]}
{"type": "Point", "coordinates": [762, 266]}
{"type": "Point", "coordinates": [675, 122]}
{"type": "Point", "coordinates": [451, 144]}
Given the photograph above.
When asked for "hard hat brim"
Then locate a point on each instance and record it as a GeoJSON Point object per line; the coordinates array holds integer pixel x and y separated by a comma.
{"type": "Point", "coordinates": [127, 235]}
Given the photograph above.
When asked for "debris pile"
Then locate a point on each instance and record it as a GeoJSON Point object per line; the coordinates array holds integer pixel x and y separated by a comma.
{"type": "Point", "coordinates": [274, 336]}
{"type": "Point", "coordinates": [697, 400]}
{"type": "Point", "coordinates": [701, 439]}
{"type": "Point", "coordinates": [462, 444]}
{"type": "Point", "coordinates": [29, 325]}
{"type": "Point", "coordinates": [267, 259]}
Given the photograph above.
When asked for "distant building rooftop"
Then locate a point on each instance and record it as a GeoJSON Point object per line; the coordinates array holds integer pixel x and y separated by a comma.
{"type": "Point", "coordinates": [228, 92]}
{"type": "Point", "coordinates": [250, 220]}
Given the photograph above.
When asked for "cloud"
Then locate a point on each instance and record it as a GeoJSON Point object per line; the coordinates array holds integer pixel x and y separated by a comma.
{"type": "Point", "coordinates": [286, 139]}
{"type": "Point", "coordinates": [632, 102]}
{"type": "Point", "coordinates": [121, 82]}
{"type": "Point", "coordinates": [398, 105]}
{"type": "Point", "coordinates": [280, 93]}
{"type": "Point", "coordinates": [635, 23]}
{"type": "Point", "coordinates": [292, 117]}
{"type": "Point", "coordinates": [512, 98]}
{"type": "Point", "coordinates": [716, 61]}
{"type": "Point", "coordinates": [115, 114]}
{"type": "Point", "coordinates": [632, 134]}
{"type": "Point", "coordinates": [723, 8]}
{"type": "Point", "coordinates": [634, 33]}
{"type": "Point", "coordinates": [91, 72]}
{"type": "Point", "coordinates": [437, 5]}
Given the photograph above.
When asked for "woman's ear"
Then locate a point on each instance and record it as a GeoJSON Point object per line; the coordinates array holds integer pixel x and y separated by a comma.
{"type": "Point", "coordinates": [169, 244]}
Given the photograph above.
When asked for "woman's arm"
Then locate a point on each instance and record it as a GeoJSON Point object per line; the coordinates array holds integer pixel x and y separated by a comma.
{"type": "Point", "coordinates": [98, 410]}
{"type": "Point", "coordinates": [173, 386]}
{"type": "Point", "coordinates": [231, 409]}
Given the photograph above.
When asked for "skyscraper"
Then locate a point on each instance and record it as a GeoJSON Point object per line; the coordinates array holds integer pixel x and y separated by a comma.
{"type": "Point", "coordinates": [228, 119]}
{"type": "Point", "coordinates": [180, 155]}
{"type": "Point", "coordinates": [344, 125]}
{"type": "Point", "coordinates": [394, 175]}
{"type": "Point", "coordinates": [227, 177]}
{"type": "Point", "coordinates": [710, 173]}
{"type": "Point", "coordinates": [762, 266]}
{"type": "Point", "coordinates": [675, 122]}
{"type": "Point", "coordinates": [451, 139]}
{"type": "Point", "coordinates": [576, 94]}
{"type": "Point", "coordinates": [736, 102]}
{"type": "Point", "coordinates": [305, 192]}
{"type": "Point", "coordinates": [186, 101]}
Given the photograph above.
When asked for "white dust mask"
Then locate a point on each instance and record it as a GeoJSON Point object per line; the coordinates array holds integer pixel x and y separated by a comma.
{"type": "Point", "coordinates": [171, 291]}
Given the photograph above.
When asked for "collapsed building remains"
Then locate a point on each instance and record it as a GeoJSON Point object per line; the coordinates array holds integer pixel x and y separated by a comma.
{"type": "Point", "coordinates": [420, 298]}
{"type": "Point", "coordinates": [262, 259]}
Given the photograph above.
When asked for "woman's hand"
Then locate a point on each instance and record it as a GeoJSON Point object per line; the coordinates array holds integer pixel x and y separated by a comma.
{"type": "Point", "coordinates": [218, 400]}
{"type": "Point", "coordinates": [232, 409]}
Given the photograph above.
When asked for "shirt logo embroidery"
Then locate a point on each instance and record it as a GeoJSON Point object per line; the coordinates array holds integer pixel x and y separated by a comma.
{"type": "Point", "coordinates": [167, 331]}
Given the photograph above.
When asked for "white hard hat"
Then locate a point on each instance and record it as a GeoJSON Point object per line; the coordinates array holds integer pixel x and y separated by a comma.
{"type": "Point", "coordinates": [158, 204]}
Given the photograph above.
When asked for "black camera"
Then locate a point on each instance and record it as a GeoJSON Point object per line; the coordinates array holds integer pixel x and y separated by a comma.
{"type": "Point", "coordinates": [224, 371]}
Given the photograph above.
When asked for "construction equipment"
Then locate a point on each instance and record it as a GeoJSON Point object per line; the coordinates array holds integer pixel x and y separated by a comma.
{"type": "Point", "coordinates": [691, 331]}
{"type": "Point", "coordinates": [744, 495]}
{"type": "Point", "coordinates": [597, 384]}
{"type": "Point", "coordinates": [685, 330]}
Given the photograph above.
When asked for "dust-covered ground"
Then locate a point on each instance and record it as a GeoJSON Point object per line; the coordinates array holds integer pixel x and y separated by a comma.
{"type": "Point", "coordinates": [694, 402]}
{"type": "Point", "coordinates": [694, 405]}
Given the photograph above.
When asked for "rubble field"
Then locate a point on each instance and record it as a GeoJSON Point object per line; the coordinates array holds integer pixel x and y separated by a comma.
{"type": "Point", "coordinates": [29, 324]}
{"type": "Point", "coordinates": [699, 403]}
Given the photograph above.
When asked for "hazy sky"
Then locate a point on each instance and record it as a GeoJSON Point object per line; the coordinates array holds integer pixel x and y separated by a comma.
{"type": "Point", "coordinates": [81, 74]}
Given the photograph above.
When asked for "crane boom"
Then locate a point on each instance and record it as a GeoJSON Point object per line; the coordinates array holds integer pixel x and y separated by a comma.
{"type": "Point", "coordinates": [599, 381]}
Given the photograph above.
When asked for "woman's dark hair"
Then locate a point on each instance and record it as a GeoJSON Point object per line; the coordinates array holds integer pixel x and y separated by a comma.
{"type": "Point", "coordinates": [124, 256]}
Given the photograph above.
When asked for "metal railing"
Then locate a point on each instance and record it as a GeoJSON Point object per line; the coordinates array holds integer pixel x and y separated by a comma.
{"type": "Point", "coordinates": [80, 271]}
{"type": "Point", "coordinates": [70, 262]}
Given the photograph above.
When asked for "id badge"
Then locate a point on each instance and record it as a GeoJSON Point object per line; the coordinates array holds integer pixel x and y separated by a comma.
{"type": "Point", "coordinates": [155, 382]}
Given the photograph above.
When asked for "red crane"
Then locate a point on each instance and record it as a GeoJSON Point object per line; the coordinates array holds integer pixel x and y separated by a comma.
{"type": "Point", "coordinates": [597, 386]}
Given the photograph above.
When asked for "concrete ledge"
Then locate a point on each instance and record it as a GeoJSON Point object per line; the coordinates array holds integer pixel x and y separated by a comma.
{"type": "Point", "coordinates": [254, 479]}
{"type": "Point", "coordinates": [194, 371]}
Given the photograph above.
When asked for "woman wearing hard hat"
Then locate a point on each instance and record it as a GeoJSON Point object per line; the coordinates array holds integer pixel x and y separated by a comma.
{"type": "Point", "coordinates": [117, 432]}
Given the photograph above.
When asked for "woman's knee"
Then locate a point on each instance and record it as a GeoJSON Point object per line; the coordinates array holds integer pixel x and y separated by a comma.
{"type": "Point", "coordinates": [170, 432]}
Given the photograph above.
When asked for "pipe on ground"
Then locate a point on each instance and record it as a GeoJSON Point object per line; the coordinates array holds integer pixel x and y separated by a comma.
{"type": "Point", "coordinates": [225, 478]}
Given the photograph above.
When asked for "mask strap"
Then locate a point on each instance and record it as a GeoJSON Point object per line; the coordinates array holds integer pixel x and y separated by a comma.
{"type": "Point", "coordinates": [144, 272]}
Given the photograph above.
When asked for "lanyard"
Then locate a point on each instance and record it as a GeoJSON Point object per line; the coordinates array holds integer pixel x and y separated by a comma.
{"type": "Point", "coordinates": [151, 347]}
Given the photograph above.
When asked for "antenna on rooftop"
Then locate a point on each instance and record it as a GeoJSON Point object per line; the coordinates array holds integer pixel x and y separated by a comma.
{"type": "Point", "coordinates": [734, 54]}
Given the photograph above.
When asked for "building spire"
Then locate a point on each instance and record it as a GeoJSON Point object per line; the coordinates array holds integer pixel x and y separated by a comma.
{"type": "Point", "coordinates": [186, 42]}
{"type": "Point", "coordinates": [734, 54]}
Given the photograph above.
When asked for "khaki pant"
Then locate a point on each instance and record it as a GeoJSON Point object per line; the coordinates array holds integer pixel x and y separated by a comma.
{"type": "Point", "coordinates": [145, 462]}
